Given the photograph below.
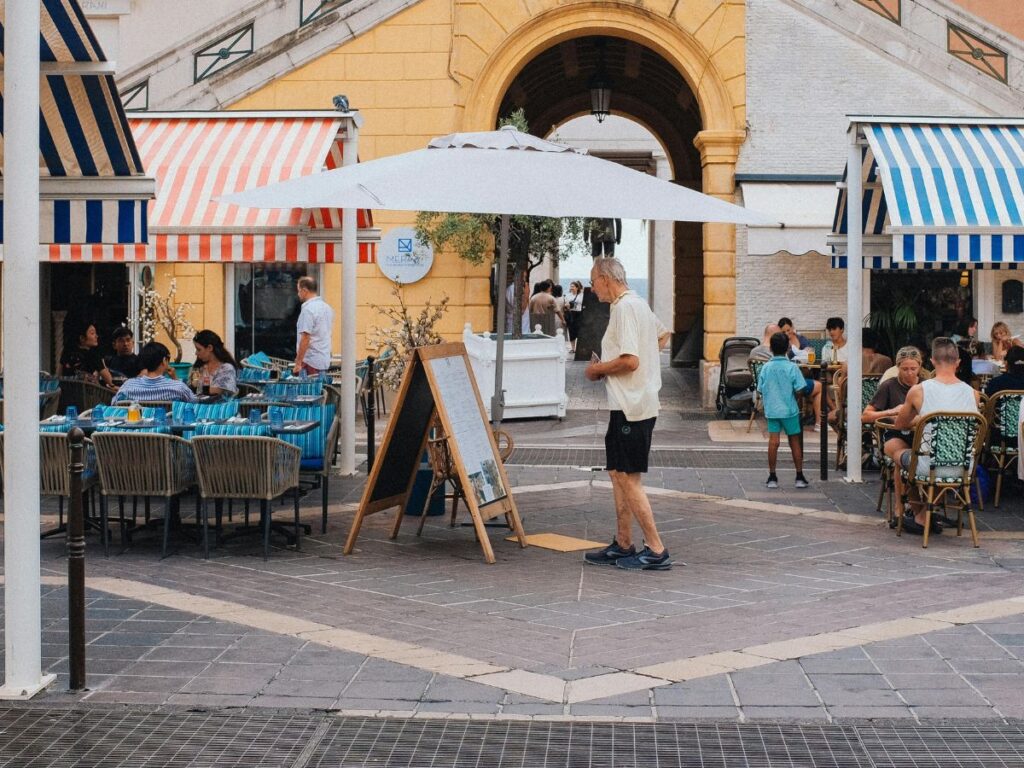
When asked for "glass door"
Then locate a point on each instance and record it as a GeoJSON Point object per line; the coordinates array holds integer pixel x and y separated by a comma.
{"type": "Point", "coordinates": [267, 307]}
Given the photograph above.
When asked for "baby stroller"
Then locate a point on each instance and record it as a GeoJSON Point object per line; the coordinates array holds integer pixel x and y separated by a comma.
{"type": "Point", "coordinates": [735, 384]}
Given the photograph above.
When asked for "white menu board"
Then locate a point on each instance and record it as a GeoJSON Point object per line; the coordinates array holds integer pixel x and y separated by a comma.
{"type": "Point", "coordinates": [469, 429]}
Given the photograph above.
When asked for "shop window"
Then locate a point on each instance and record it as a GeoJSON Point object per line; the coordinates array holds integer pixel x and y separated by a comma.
{"type": "Point", "coordinates": [267, 308]}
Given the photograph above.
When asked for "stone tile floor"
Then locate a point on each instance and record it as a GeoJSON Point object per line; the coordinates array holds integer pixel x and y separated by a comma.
{"type": "Point", "coordinates": [761, 567]}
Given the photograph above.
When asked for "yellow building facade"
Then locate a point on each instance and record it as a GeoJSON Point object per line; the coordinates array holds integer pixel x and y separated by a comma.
{"type": "Point", "coordinates": [442, 66]}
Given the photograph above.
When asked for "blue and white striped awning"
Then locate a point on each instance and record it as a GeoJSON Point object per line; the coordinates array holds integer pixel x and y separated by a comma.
{"type": "Point", "coordinates": [92, 184]}
{"type": "Point", "coordinates": [939, 195]}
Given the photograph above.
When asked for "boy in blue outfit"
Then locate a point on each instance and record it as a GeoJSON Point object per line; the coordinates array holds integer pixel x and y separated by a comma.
{"type": "Point", "coordinates": [780, 382]}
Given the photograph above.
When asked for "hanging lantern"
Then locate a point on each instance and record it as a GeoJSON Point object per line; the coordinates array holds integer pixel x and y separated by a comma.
{"type": "Point", "coordinates": [600, 86]}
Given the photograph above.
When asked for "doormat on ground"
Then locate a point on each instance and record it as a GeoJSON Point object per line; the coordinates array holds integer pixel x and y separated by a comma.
{"type": "Point", "coordinates": [558, 542]}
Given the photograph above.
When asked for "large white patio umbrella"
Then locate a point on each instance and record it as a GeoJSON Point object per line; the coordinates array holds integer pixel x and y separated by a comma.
{"type": "Point", "coordinates": [504, 172]}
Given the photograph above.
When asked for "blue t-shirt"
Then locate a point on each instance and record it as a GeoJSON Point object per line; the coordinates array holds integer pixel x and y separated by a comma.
{"type": "Point", "coordinates": [779, 382]}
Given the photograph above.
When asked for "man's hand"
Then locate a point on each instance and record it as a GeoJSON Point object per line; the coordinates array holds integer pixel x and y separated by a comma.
{"type": "Point", "coordinates": [297, 369]}
{"type": "Point", "coordinates": [592, 372]}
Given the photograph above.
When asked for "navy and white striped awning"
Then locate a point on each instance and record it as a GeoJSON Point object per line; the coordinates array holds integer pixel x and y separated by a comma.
{"type": "Point", "coordinates": [939, 195]}
{"type": "Point", "coordinates": [93, 188]}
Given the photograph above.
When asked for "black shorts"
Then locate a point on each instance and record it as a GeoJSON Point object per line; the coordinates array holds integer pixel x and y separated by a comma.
{"type": "Point", "coordinates": [628, 443]}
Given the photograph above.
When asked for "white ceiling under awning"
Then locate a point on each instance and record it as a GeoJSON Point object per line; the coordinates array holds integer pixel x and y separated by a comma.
{"type": "Point", "coordinates": [806, 211]}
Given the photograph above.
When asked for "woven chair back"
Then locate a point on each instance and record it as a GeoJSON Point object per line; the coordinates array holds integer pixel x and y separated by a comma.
{"type": "Point", "coordinates": [143, 463]}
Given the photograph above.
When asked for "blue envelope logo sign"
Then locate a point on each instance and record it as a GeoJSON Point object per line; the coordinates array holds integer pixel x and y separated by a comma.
{"type": "Point", "coordinates": [402, 258]}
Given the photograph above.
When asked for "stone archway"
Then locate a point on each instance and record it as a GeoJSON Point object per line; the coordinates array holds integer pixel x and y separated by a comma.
{"type": "Point", "coordinates": [704, 49]}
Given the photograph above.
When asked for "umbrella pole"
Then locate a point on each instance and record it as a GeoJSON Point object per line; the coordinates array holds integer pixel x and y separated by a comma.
{"type": "Point", "coordinates": [498, 399]}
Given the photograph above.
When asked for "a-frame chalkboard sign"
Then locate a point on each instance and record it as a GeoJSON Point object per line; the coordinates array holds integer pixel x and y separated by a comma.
{"type": "Point", "coordinates": [439, 379]}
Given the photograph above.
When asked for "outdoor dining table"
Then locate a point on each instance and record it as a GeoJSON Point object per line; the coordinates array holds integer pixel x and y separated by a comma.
{"type": "Point", "coordinates": [178, 427]}
{"type": "Point", "coordinates": [264, 401]}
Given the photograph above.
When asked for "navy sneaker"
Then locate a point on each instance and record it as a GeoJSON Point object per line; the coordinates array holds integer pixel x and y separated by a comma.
{"type": "Point", "coordinates": [772, 481]}
{"type": "Point", "coordinates": [610, 554]}
{"type": "Point", "coordinates": [646, 560]}
{"type": "Point", "coordinates": [801, 481]}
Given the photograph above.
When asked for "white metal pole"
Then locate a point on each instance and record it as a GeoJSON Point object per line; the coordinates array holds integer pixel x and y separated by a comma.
{"type": "Point", "coordinates": [22, 622]}
{"type": "Point", "coordinates": [229, 307]}
{"type": "Point", "coordinates": [349, 260]}
{"type": "Point", "coordinates": [854, 304]}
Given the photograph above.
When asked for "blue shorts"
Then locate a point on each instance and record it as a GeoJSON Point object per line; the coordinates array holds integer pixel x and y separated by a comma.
{"type": "Point", "coordinates": [808, 386]}
{"type": "Point", "coordinates": [790, 425]}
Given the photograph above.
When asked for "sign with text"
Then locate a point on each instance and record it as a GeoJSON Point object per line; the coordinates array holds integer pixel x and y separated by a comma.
{"type": "Point", "coordinates": [402, 258]}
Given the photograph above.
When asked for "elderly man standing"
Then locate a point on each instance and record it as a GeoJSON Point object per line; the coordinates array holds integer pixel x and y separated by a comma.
{"type": "Point", "coordinates": [631, 369]}
{"type": "Point", "coordinates": [313, 331]}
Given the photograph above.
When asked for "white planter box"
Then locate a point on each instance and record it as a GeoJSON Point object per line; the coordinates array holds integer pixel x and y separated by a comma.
{"type": "Point", "coordinates": [534, 373]}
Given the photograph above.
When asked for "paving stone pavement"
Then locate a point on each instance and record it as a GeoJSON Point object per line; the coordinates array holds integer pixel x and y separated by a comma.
{"type": "Point", "coordinates": [760, 567]}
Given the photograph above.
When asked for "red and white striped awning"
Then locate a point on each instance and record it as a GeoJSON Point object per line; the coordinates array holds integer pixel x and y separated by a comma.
{"type": "Point", "coordinates": [196, 157]}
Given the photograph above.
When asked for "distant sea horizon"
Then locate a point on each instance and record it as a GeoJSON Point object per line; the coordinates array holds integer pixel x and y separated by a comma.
{"type": "Point", "coordinates": [638, 284]}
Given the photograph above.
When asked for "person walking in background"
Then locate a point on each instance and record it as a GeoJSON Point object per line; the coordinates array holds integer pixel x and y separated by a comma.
{"type": "Point", "coordinates": [780, 382]}
{"type": "Point", "coordinates": [556, 292]}
{"type": "Point", "coordinates": [313, 330]}
{"type": "Point", "coordinates": [543, 308]}
{"type": "Point", "coordinates": [631, 369]}
{"type": "Point", "coordinates": [215, 370]}
{"type": "Point", "coordinates": [124, 361]}
{"type": "Point", "coordinates": [573, 308]}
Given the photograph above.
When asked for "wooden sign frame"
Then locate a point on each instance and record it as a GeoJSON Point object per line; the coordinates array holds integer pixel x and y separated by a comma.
{"type": "Point", "coordinates": [421, 364]}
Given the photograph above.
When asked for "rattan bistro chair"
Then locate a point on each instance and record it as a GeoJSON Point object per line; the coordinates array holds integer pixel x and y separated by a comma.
{"type": "Point", "coordinates": [247, 468]}
{"type": "Point", "coordinates": [951, 443]}
{"type": "Point", "coordinates": [83, 394]}
{"type": "Point", "coordinates": [869, 388]}
{"type": "Point", "coordinates": [318, 446]}
{"type": "Point", "coordinates": [146, 464]}
{"type": "Point", "coordinates": [1002, 411]}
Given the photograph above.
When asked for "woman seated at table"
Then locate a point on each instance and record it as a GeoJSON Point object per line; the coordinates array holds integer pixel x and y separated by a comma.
{"type": "Point", "coordinates": [152, 383]}
{"type": "Point", "coordinates": [81, 357]}
{"type": "Point", "coordinates": [889, 399]}
{"type": "Point", "coordinates": [215, 370]}
{"type": "Point", "coordinates": [1014, 376]}
{"type": "Point", "coordinates": [1002, 341]}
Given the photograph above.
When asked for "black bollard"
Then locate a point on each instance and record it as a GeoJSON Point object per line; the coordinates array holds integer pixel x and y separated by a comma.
{"type": "Point", "coordinates": [76, 561]}
{"type": "Point", "coordinates": [823, 371]}
{"type": "Point", "coordinates": [371, 414]}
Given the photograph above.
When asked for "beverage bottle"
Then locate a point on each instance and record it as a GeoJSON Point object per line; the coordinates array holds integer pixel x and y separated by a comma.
{"type": "Point", "coordinates": [204, 386]}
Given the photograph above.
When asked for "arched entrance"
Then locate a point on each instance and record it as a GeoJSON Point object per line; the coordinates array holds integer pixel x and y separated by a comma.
{"type": "Point", "coordinates": [665, 78]}
{"type": "Point", "coordinates": [553, 86]}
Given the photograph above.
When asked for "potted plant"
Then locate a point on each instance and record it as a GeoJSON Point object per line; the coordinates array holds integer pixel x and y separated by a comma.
{"type": "Point", "coordinates": [163, 313]}
{"type": "Point", "coordinates": [530, 362]}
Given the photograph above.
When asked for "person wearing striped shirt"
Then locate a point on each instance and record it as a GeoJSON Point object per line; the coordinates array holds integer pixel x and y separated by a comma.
{"type": "Point", "coordinates": [152, 383]}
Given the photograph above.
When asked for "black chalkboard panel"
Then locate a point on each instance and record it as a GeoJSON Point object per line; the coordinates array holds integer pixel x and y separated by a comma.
{"type": "Point", "coordinates": [402, 457]}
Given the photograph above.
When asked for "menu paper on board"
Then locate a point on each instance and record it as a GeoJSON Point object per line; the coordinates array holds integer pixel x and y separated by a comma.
{"type": "Point", "coordinates": [469, 429]}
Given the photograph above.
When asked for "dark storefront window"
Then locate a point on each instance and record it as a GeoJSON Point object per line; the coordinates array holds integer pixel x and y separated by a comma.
{"type": "Point", "coordinates": [267, 308]}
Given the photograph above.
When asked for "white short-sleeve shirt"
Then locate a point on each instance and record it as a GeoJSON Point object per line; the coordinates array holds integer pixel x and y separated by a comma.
{"type": "Point", "coordinates": [633, 330]}
{"type": "Point", "coordinates": [317, 319]}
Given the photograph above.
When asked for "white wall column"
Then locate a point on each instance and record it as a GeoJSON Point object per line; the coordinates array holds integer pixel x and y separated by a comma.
{"type": "Point", "coordinates": [984, 300]}
{"type": "Point", "coordinates": [229, 308]}
{"type": "Point", "coordinates": [854, 302]}
{"type": "Point", "coordinates": [349, 261]}
{"type": "Point", "coordinates": [22, 621]}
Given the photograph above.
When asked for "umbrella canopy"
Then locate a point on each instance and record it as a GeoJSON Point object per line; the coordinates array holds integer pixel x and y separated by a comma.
{"type": "Point", "coordinates": [504, 171]}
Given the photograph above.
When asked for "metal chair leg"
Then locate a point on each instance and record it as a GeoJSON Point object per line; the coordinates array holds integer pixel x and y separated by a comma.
{"type": "Point", "coordinates": [298, 524]}
{"type": "Point", "coordinates": [265, 522]}
{"type": "Point", "coordinates": [202, 524]}
{"type": "Point", "coordinates": [167, 526]}
{"type": "Point", "coordinates": [323, 501]}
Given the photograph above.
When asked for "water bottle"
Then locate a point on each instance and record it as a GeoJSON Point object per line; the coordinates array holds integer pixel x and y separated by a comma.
{"type": "Point", "coordinates": [71, 414]}
{"type": "Point", "coordinates": [188, 414]}
{"type": "Point", "coordinates": [255, 415]}
{"type": "Point", "coordinates": [97, 413]}
{"type": "Point", "coordinates": [302, 374]}
{"type": "Point", "coordinates": [276, 419]}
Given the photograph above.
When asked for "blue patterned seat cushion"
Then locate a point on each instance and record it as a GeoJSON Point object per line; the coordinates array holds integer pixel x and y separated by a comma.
{"type": "Point", "coordinates": [234, 430]}
{"type": "Point", "coordinates": [280, 390]}
{"type": "Point", "coordinates": [254, 374]}
{"type": "Point", "coordinates": [314, 442]}
{"type": "Point", "coordinates": [225, 410]}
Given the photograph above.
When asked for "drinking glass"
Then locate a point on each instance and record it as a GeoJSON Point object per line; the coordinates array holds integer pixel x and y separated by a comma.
{"type": "Point", "coordinates": [276, 418]}
{"type": "Point", "coordinates": [160, 416]}
{"type": "Point", "coordinates": [188, 414]}
{"type": "Point", "coordinates": [255, 415]}
{"type": "Point", "coordinates": [71, 414]}
{"type": "Point", "coordinates": [810, 356]}
{"type": "Point", "coordinates": [97, 413]}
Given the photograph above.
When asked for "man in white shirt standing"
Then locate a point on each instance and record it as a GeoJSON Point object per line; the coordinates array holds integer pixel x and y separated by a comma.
{"type": "Point", "coordinates": [313, 331]}
{"type": "Point", "coordinates": [631, 368]}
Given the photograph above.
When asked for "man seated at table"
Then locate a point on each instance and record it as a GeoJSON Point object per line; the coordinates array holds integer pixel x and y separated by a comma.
{"type": "Point", "coordinates": [124, 361]}
{"type": "Point", "coordinates": [835, 349]}
{"type": "Point", "coordinates": [152, 383]}
{"type": "Point", "coordinates": [1014, 376]}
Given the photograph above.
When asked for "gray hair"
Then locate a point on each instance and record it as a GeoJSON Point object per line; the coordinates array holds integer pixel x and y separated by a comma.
{"type": "Point", "coordinates": [611, 268]}
{"type": "Point", "coordinates": [908, 353]}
